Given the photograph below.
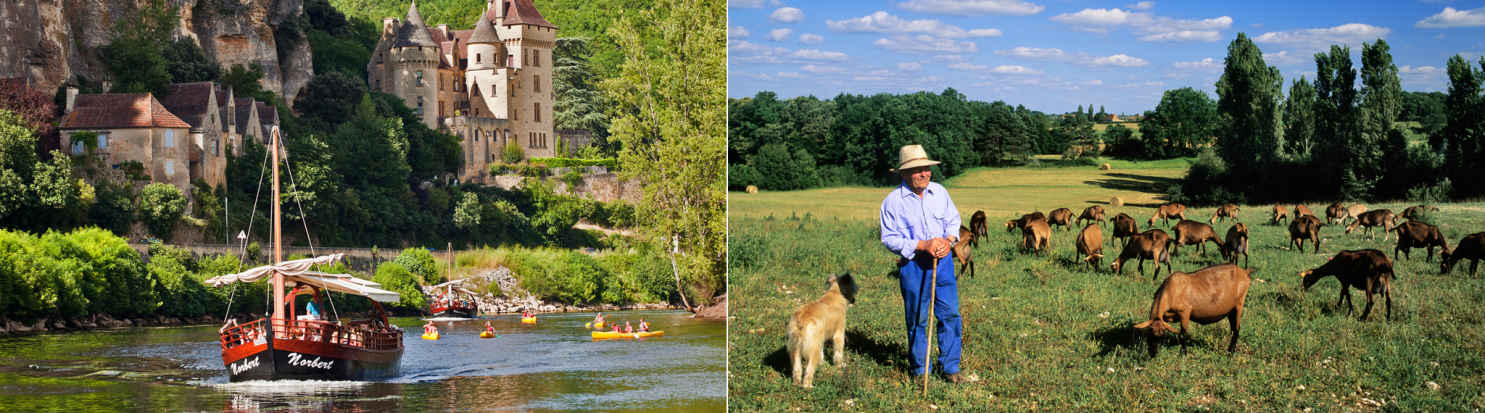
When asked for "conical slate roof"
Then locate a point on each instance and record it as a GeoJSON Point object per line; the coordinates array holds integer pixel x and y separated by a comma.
{"type": "Point", "coordinates": [413, 31]}
{"type": "Point", "coordinates": [484, 32]}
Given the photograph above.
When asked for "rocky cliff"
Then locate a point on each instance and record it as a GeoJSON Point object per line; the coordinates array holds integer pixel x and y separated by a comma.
{"type": "Point", "coordinates": [50, 41]}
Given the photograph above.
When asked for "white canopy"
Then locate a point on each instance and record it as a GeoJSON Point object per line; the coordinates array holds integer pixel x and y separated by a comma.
{"type": "Point", "coordinates": [298, 271]}
{"type": "Point", "coordinates": [458, 281]}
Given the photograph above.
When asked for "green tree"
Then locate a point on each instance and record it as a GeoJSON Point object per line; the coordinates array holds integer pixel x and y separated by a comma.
{"type": "Point", "coordinates": [1463, 138]}
{"type": "Point", "coordinates": [421, 264]}
{"type": "Point", "coordinates": [1184, 119]}
{"type": "Point", "coordinates": [783, 170]}
{"type": "Point", "coordinates": [187, 63]}
{"type": "Point", "coordinates": [672, 127]}
{"type": "Point", "coordinates": [327, 96]}
{"type": "Point", "coordinates": [1299, 120]}
{"type": "Point", "coordinates": [1335, 115]}
{"type": "Point", "coordinates": [579, 102]}
{"type": "Point", "coordinates": [160, 206]}
{"type": "Point", "coordinates": [1381, 100]}
{"type": "Point", "coordinates": [133, 53]}
{"type": "Point", "coordinates": [396, 278]}
{"type": "Point", "coordinates": [468, 213]}
{"type": "Point", "coordinates": [1248, 103]}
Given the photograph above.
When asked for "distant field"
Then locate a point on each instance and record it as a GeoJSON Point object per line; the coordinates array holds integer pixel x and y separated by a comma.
{"type": "Point", "coordinates": [1046, 332]}
{"type": "Point", "coordinates": [1133, 126]}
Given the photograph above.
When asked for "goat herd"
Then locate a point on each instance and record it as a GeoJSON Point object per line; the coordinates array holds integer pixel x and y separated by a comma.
{"type": "Point", "coordinates": [1217, 292]}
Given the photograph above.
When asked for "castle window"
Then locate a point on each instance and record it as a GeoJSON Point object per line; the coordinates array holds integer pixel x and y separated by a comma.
{"type": "Point", "coordinates": [103, 141]}
{"type": "Point", "coordinates": [78, 147]}
{"type": "Point", "coordinates": [420, 78]}
{"type": "Point", "coordinates": [492, 91]}
{"type": "Point", "coordinates": [476, 57]}
{"type": "Point", "coordinates": [169, 168]}
{"type": "Point", "coordinates": [216, 147]}
{"type": "Point", "coordinates": [169, 138]}
{"type": "Point", "coordinates": [536, 58]}
{"type": "Point", "coordinates": [378, 58]}
{"type": "Point", "coordinates": [420, 105]}
{"type": "Point", "coordinates": [535, 83]}
{"type": "Point", "coordinates": [509, 59]}
{"type": "Point", "coordinates": [536, 112]}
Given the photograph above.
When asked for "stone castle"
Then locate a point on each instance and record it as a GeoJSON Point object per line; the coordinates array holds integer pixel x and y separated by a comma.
{"type": "Point", "coordinates": [490, 86]}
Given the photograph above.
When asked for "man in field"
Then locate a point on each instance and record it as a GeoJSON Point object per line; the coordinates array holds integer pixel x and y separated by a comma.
{"type": "Point", "coordinates": [920, 223]}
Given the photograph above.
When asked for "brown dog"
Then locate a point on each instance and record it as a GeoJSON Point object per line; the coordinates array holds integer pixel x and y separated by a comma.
{"type": "Point", "coordinates": [815, 322]}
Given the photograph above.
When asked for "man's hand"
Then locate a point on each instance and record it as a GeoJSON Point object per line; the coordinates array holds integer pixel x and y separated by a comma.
{"type": "Point", "coordinates": [939, 247]}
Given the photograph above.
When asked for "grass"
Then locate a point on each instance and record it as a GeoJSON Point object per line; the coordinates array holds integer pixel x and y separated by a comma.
{"type": "Point", "coordinates": [1046, 332]}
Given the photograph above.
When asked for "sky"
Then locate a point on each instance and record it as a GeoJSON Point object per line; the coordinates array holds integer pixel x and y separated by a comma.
{"type": "Point", "coordinates": [1054, 55]}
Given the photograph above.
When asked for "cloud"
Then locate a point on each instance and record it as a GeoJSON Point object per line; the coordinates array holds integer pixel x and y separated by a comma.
{"type": "Point", "coordinates": [812, 68]}
{"type": "Point", "coordinates": [1015, 70]}
{"type": "Point", "coordinates": [786, 15]}
{"type": "Point", "coordinates": [1450, 18]}
{"type": "Point", "coordinates": [745, 51]}
{"type": "Point", "coordinates": [1119, 60]}
{"type": "Point", "coordinates": [745, 4]}
{"type": "Point", "coordinates": [737, 32]}
{"type": "Point", "coordinates": [972, 7]}
{"type": "Point", "coordinates": [1429, 78]}
{"type": "Point", "coordinates": [1203, 64]}
{"type": "Point", "coordinates": [790, 75]}
{"type": "Point", "coordinates": [883, 22]}
{"type": "Point", "coordinates": [910, 66]}
{"type": "Point", "coordinates": [1144, 5]}
{"type": "Point", "coordinates": [779, 34]}
{"type": "Point", "coordinates": [1032, 52]}
{"type": "Point", "coordinates": [925, 44]}
{"type": "Point", "coordinates": [1057, 55]}
{"type": "Point", "coordinates": [967, 66]}
{"type": "Point", "coordinates": [810, 38]}
{"type": "Point", "coordinates": [1351, 34]}
{"type": "Point", "coordinates": [1150, 27]}
{"type": "Point", "coordinates": [1283, 58]}
{"type": "Point", "coordinates": [812, 54]}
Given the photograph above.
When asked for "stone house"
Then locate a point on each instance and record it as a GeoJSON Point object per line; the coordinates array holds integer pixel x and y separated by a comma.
{"type": "Point", "coordinates": [196, 104]}
{"type": "Point", "coordinates": [131, 127]}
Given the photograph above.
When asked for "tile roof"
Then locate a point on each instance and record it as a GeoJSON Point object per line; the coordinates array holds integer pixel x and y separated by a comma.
{"type": "Point", "coordinates": [524, 12]}
{"type": "Point", "coordinates": [120, 110]}
{"type": "Point", "coordinates": [244, 114]}
{"type": "Point", "coordinates": [484, 32]}
{"type": "Point", "coordinates": [190, 101]}
{"type": "Point", "coordinates": [413, 32]}
{"type": "Point", "coordinates": [267, 113]}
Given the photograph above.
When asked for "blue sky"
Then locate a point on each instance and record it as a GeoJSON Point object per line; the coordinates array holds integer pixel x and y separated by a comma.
{"type": "Point", "coordinates": [1053, 55]}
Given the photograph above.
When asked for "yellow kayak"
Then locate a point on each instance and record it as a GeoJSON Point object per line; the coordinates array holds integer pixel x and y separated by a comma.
{"type": "Point", "coordinates": [430, 336]}
{"type": "Point", "coordinates": [528, 320]}
{"type": "Point", "coordinates": [486, 334]}
{"type": "Point", "coordinates": [591, 325]}
{"type": "Point", "coordinates": [605, 335]}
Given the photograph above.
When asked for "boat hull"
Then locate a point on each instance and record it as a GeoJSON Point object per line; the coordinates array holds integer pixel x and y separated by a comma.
{"type": "Point", "coordinates": [453, 311]}
{"type": "Point", "coordinates": [609, 335]}
{"type": "Point", "coordinates": [292, 359]}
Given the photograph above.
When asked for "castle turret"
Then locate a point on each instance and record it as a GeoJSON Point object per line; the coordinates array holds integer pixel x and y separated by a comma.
{"type": "Point", "coordinates": [529, 39]}
{"type": "Point", "coordinates": [414, 67]}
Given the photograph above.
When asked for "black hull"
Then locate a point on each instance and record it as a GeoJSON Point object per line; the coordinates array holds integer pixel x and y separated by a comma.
{"type": "Point", "coordinates": [455, 312]}
{"type": "Point", "coordinates": [278, 363]}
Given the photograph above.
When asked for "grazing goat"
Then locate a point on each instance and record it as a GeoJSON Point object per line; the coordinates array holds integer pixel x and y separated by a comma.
{"type": "Point", "coordinates": [1020, 223]}
{"type": "Point", "coordinates": [1224, 212]}
{"type": "Point", "coordinates": [1167, 211]}
{"type": "Point", "coordinates": [1280, 213]}
{"type": "Point", "coordinates": [1206, 296]}
{"type": "Point", "coordinates": [1149, 245]}
{"type": "Point", "coordinates": [1301, 210]}
{"type": "Point", "coordinates": [1367, 270]}
{"type": "Point", "coordinates": [961, 249]}
{"type": "Point", "coordinates": [1415, 234]}
{"type": "Point", "coordinates": [1124, 227]}
{"type": "Point", "coordinates": [1061, 216]}
{"type": "Point", "coordinates": [1417, 212]}
{"type": "Point", "coordinates": [1237, 243]}
{"type": "Point", "coordinates": [1090, 245]}
{"type": "Point", "coordinates": [1375, 218]}
{"type": "Point", "coordinates": [1190, 232]}
{"type": "Point", "coordinates": [816, 322]}
{"type": "Point", "coordinates": [1037, 236]}
{"type": "Point", "coordinates": [978, 225]}
{"type": "Point", "coordinates": [1334, 212]}
{"type": "Point", "coordinates": [1303, 228]}
{"type": "Point", "coordinates": [1471, 247]}
{"type": "Point", "coordinates": [1093, 213]}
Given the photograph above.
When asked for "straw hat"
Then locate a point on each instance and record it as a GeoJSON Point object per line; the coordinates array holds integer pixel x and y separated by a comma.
{"type": "Point", "coordinates": [913, 156]}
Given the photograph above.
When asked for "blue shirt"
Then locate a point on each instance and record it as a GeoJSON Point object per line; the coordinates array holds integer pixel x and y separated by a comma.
{"type": "Point", "coordinates": [312, 310]}
{"type": "Point", "coordinates": [907, 219]}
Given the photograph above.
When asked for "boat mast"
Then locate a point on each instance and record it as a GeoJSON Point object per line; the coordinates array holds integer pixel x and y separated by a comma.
{"type": "Point", "coordinates": [278, 252]}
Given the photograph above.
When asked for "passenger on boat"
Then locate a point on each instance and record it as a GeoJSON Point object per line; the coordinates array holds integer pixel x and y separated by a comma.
{"type": "Point", "coordinates": [628, 328]}
{"type": "Point", "coordinates": [312, 310]}
{"type": "Point", "coordinates": [643, 326]}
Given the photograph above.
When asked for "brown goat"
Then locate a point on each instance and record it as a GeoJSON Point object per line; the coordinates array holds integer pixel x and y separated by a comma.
{"type": "Point", "coordinates": [1367, 270]}
{"type": "Point", "coordinates": [1167, 211]}
{"type": "Point", "coordinates": [978, 225]}
{"type": "Point", "coordinates": [1280, 213]}
{"type": "Point", "coordinates": [1418, 211]}
{"type": "Point", "coordinates": [1237, 243]}
{"type": "Point", "coordinates": [1020, 223]}
{"type": "Point", "coordinates": [1414, 234]}
{"type": "Point", "coordinates": [962, 257]}
{"type": "Point", "coordinates": [1124, 227]}
{"type": "Point", "coordinates": [1224, 212]}
{"type": "Point", "coordinates": [1190, 232]}
{"type": "Point", "coordinates": [1375, 218]}
{"type": "Point", "coordinates": [1037, 236]}
{"type": "Point", "coordinates": [1302, 210]}
{"type": "Point", "coordinates": [1093, 213]}
{"type": "Point", "coordinates": [1472, 247]}
{"type": "Point", "coordinates": [1149, 245]}
{"type": "Point", "coordinates": [1061, 216]}
{"type": "Point", "coordinates": [1302, 228]}
{"type": "Point", "coordinates": [1334, 212]}
{"type": "Point", "coordinates": [1090, 245]}
{"type": "Point", "coordinates": [1206, 296]}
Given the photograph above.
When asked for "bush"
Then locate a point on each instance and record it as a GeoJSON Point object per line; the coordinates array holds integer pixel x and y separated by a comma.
{"type": "Point", "coordinates": [573, 179]}
{"type": "Point", "coordinates": [1431, 194]}
{"type": "Point", "coordinates": [610, 163]}
{"type": "Point", "coordinates": [160, 207]}
{"type": "Point", "coordinates": [396, 278]}
{"type": "Point", "coordinates": [512, 153]}
{"type": "Point", "coordinates": [420, 263]}
{"type": "Point", "coordinates": [1205, 183]}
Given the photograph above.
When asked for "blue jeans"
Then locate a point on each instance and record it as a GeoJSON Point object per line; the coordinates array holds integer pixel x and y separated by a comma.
{"type": "Point", "coordinates": [945, 308]}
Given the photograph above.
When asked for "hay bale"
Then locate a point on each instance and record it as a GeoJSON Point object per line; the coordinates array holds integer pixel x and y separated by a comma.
{"type": "Point", "coordinates": [1116, 202]}
{"type": "Point", "coordinates": [752, 189]}
{"type": "Point", "coordinates": [1105, 167]}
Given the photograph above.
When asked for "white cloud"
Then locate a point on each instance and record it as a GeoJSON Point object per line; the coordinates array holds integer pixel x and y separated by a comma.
{"type": "Point", "coordinates": [1144, 5]}
{"type": "Point", "coordinates": [1184, 35]}
{"type": "Point", "coordinates": [1142, 84]}
{"type": "Point", "coordinates": [790, 75]}
{"type": "Point", "coordinates": [1120, 60]}
{"type": "Point", "coordinates": [1097, 17]}
{"type": "Point", "coordinates": [810, 38]}
{"type": "Point", "coordinates": [883, 22]}
{"type": "Point", "coordinates": [745, 4]}
{"type": "Point", "coordinates": [1454, 18]}
{"type": "Point", "coordinates": [1057, 55]}
{"type": "Point", "coordinates": [1430, 78]}
{"type": "Point", "coordinates": [1150, 27]}
{"type": "Point", "coordinates": [779, 34]}
{"type": "Point", "coordinates": [1352, 34]}
{"type": "Point", "coordinates": [972, 7]}
{"type": "Point", "coordinates": [1203, 64]}
{"type": "Point", "coordinates": [967, 66]}
{"type": "Point", "coordinates": [812, 68]}
{"type": "Point", "coordinates": [1015, 70]}
{"type": "Point", "coordinates": [745, 51]}
{"type": "Point", "coordinates": [949, 58]}
{"type": "Point", "coordinates": [869, 78]}
{"type": "Point", "coordinates": [737, 32]}
{"type": "Point", "coordinates": [910, 66]}
{"type": "Point", "coordinates": [1284, 58]}
{"type": "Point", "coordinates": [1419, 70]}
{"type": "Point", "coordinates": [812, 54]}
{"type": "Point", "coordinates": [1094, 82]}
{"type": "Point", "coordinates": [926, 44]}
{"type": "Point", "coordinates": [786, 15]}
{"type": "Point", "coordinates": [1032, 52]}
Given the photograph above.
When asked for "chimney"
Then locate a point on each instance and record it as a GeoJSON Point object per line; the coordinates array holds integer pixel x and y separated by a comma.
{"type": "Point", "coordinates": [71, 100]}
{"type": "Point", "coordinates": [443, 29]}
{"type": "Point", "coordinates": [499, 10]}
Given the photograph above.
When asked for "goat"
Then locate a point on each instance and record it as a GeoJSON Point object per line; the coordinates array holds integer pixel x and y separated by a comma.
{"type": "Point", "coordinates": [1224, 212]}
{"type": "Point", "coordinates": [1334, 212]}
{"type": "Point", "coordinates": [1375, 218]}
{"type": "Point", "coordinates": [1020, 223]}
{"type": "Point", "coordinates": [1152, 245]}
{"type": "Point", "coordinates": [1167, 211]}
{"type": "Point", "coordinates": [1037, 236]}
{"type": "Point", "coordinates": [978, 226]}
{"type": "Point", "coordinates": [1124, 227]}
{"type": "Point", "coordinates": [1060, 216]}
{"type": "Point", "coordinates": [1471, 247]}
{"type": "Point", "coordinates": [1301, 210]}
{"type": "Point", "coordinates": [1415, 234]}
{"type": "Point", "coordinates": [1302, 228]}
{"type": "Point", "coordinates": [1190, 232]}
{"type": "Point", "coordinates": [1418, 212]}
{"type": "Point", "coordinates": [1092, 213]}
{"type": "Point", "coordinates": [1237, 243]}
{"type": "Point", "coordinates": [1206, 296]}
{"type": "Point", "coordinates": [1090, 245]}
{"type": "Point", "coordinates": [1280, 213]}
{"type": "Point", "coordinates": [1368, 270]}
{"type": "Point", "coordinates": [961, 249]}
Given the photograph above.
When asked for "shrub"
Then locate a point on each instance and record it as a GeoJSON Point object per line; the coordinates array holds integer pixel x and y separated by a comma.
{"type": "Point", "coordinates": [512, 153]}
{"type": "Point", "coordinates": [573, 179]}
{"type": "Point", "coordinates": [160, 207]}
{"type": "Point", "coordinates": [609, 163]}
{"type": "Point", "coordinates": [420, 263]}
{"type": "Point", "coordinates": [396, 278]}
{"type": "Point", "coordinates": [1205, 183]}
{"type": "Point", "coordinates": [1428, 194]}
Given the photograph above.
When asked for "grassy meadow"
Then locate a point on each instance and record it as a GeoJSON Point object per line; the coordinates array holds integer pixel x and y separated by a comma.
{"type": "Point", "coordinates": [1046, 332]}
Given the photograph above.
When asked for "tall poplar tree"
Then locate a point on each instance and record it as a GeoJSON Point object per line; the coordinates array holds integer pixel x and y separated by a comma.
{"type": "Point", "coordinates": [1381, 100]}
{"type": "Point", "coordinates": [1335, 113]}
{"type": "Point", "coordinates": [1299, 120]}
{"type": "Point", "coordinates": [1463, 136]}
{"type": "Point", "coordinates": [1248, 107]}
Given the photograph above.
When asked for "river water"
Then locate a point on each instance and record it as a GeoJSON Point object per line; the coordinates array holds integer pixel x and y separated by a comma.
{"type": "Point", "coordinates": [551, 366]}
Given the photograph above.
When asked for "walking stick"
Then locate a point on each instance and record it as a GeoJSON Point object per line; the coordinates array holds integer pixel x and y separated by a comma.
{"type": "Point", "coordinates": [932, 298]}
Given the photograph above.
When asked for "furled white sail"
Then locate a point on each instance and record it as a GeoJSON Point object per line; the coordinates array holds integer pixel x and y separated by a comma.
{"type": "Point", "coordinates": [298, 271]}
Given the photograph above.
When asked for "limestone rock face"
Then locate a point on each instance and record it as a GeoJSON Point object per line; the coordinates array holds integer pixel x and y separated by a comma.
{"type": "Point", "coordinates": [50, 41]}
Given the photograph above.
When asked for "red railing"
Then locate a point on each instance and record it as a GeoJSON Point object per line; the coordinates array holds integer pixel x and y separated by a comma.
{"type": "Point", "coordinates": [367, 334]}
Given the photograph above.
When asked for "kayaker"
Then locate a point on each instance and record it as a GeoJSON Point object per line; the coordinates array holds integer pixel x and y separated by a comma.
{"type": "Point", "coordinates": [616, 327]}
{"type": "Point", "coordinates": [643, 326]}
{"type": "Point", "coordinates": [598, 320]}
{"type": "Point", "coordinates": [628, 328]}
{"type": "Point", "coordinates": [489, 328]}
{"type": "Point", "coordinates": [430, 328]}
